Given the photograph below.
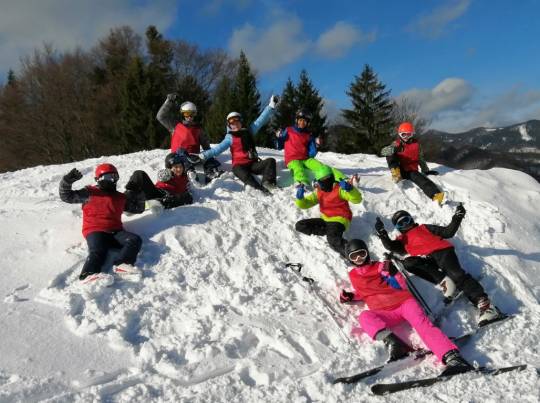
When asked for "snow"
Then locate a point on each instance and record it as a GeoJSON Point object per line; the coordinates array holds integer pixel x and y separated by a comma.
{"type": "Point", "coordinates": [524, 134]}
{"type": "Point", "coordinates": [217, 317]}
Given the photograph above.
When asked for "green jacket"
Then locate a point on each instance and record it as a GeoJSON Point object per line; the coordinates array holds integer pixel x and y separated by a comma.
{"type": "Point", "coordinates": [354, 196]}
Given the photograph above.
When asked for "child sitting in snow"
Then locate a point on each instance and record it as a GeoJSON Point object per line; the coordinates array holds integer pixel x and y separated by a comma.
{"type": "Point", "coordinates": [389, 303]}
{"type": "Point", "coordinates": [434, 259]}
{"type": "Point", "coordinates": [404, 156]}
{"type": "Point", "coordinates": [333, 199]}
{"type": "Point", "coordinates": [102, 207]}
{"type": "Point", "coordinates": [172, 188]}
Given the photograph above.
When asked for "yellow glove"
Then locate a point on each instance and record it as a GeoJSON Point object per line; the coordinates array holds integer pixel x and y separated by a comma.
{"type": "Point", "coordinates": [396, 174]}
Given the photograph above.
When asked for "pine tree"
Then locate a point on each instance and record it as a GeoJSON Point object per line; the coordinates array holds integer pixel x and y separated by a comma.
{"type": "Point", "coordinates": [133, 124]}
{"type": "Point", "coordinates": [215, 120]}
{"type": "Point", "coordinates": [11, 78]}
{"type": "Point", "coordinates": [371, 116]}
{"type": "Point", "coordinates": [160, 79]}
{"type": "Point", "coordinates": [287, 107]}
{"type": "Point", "coordinates": [308, 97]}
{"type": "Point", "coordinates": [246, 97]}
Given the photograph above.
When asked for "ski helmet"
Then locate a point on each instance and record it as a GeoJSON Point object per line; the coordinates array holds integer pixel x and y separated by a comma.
{"type": "Point", "coordinates": [406, 131]}
{"type": "Point", "coordinates": [233, 116]}
{"type": "Point", "coordinates": [323, 172]}
{"type": "Point", "coordinates": [103, 169]}
{"type": "Point", "coordinates": [357, 246]}
{"type": "Point", "coordinates": [173, 159]}
{"type": "Point", "coordinates": [188, 108]}
{"type": "Point", "coordinates": [303, 114]}
{"type": "Point", "coordinates": [402, 220]}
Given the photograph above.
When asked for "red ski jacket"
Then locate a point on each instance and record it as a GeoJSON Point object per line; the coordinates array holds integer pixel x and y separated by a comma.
{"type": "Point", "coordinates": [176, 185]}
{"type": "Point", "coordinates": [332, 205]}
{"type": "Point", "coordinates": [239, 155]}
{"type": "Point", "coordinates": [296, 146]}
{"type": "Point", "coordinates": [370, 287]}
{"type": "Point", "coordinates": [409, 156]}
{"type": "Point", "coordinates": [420, 241]}
{"type": "Point", "coordinates": [102, 211]}
{"type": "Point", "coordinates": [187, 137]}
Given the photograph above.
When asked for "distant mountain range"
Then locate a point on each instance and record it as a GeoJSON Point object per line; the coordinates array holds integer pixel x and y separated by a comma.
{"type": "Point", "coordinates": [515, 147]}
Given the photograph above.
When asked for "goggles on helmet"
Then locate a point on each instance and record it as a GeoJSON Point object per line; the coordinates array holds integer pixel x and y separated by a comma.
{"type": "Point", "coordinates": [234, 119]}
{"type": "Point", "coordinates": [189, 114]}
{"type": "Point", "coordinates": [404, 222]}
{"type": "Point", "coordinates": [109, 177]}
{"type": "Point", "coordinates": [360, 254]}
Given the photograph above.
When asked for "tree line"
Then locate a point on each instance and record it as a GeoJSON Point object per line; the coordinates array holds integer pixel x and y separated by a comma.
{"type": "Point", "coordinates": [68, 106]}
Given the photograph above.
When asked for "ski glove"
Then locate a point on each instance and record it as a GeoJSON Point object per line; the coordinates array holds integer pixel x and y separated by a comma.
{"type": "Point", "coordinates": [172, 97]}
{"type": "Point", "coordinates": [346, 296]}
{"type": "Point", "coordinates": [274, 100]}
{"type": "Point", "coordinates": [432, 173]}
{"type": "Point", "coordinates": [73, 176]}
{"type": "Point", "coordinates": [379, 227]}
{"type": "Point", "coordinates": [460, 211]}
{"type": "Point", "coordinates": [300, 190]}
{"type": "Point", "coordinates": [346, 186]}
{"type": "Point", "coordinates": [164, 175]}
{"type": "Point", "coordinates": [391, 281]}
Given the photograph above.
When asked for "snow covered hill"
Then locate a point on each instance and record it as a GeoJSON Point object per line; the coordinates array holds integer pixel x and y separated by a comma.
{"type": "Point", "coordinates": [217, 316]}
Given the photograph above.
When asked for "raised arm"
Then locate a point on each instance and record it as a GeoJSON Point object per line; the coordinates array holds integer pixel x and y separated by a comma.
{"type": "Point", "coordinates": [450, 230]}
{"type": "Point", "coordinates": [72, 196]}
{"type": "Point", "coordinates": [165, 115]}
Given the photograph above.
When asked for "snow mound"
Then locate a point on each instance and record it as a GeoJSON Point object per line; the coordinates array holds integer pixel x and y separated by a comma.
{"type": "Point", "coordinates": [218, 317]}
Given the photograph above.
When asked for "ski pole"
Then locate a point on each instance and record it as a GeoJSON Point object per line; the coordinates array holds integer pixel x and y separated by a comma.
{"type": "Point", "coordinates": [414, 291]}
{"type": "Point", "coordinates": [297, 268]}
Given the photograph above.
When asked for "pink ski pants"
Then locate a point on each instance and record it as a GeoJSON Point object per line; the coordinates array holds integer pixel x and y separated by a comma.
{"type": "Point", "coordinates": [377, 320]}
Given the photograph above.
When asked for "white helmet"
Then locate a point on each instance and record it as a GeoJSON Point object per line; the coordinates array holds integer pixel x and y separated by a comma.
{"type": "Point", "coordinates": [188, 107]}
{"type": "Point", "coordinates": [233, 115]}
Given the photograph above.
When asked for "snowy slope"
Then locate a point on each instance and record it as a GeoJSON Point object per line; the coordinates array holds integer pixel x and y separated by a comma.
{"type": "Point", "coordinates": [217, 317]}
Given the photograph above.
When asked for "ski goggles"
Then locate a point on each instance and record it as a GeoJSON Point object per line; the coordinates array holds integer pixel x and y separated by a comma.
{"type": "Point", "coordinates": [406, 135]}
{"type": "Point", "coordinates": [358, 254]}
{"type": "Point", "coordinates": [109, 177]}
{"type": "Point", "coordinates": [234, 120]}
{"type": "Point", "coordinates": [189, 114]}
{"type": "Point", "coordinates": [404, 222]}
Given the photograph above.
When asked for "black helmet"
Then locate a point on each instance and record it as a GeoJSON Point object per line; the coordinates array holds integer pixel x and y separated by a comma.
{"type": "Point", "coordinates": [173, 159]}
{"type": "Point", "coordinates": [303, 113]}
{"type": "Point", "coordinates": [402, 215]}
{"type": "Point", "coordinates": [355, 245]}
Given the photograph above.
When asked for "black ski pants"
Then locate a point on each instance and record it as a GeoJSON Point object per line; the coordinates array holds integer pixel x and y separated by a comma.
{"type": "Point", "coordinates": [441, 263]}
{"type": "Point", "coordinates": [99, 244]}
{"type": "Point", "coordinates": [418, 178]}
{"type": "Point", "coordinates": [333, 231]}
{"type": "Point", "coordinates": [266, 168]}
{"type": "Point", "coordinates": [141, 182]}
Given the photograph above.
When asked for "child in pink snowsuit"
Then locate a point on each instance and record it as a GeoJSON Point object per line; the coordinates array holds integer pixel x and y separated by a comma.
{"type": "Point", "coordinates": [389, 303]}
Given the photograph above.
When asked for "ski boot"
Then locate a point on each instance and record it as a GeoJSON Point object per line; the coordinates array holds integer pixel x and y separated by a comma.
{"type": "Point", "coordinates": [396, 347]}
{"type": "Point", "coordinates": [455, 364]}
{"type": "Point", "coordinates": [488, 312]}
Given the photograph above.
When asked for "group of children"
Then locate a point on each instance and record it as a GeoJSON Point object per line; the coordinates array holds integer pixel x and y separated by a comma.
{"type": "Point", "coordinates": [431, 256]}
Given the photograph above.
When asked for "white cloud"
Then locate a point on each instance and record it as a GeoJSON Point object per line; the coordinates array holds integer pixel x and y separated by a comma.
{"type": "Point", "coordinates": [433, 25]}
{"type": "Point", "coordinates": [26, 25]}
{"type": "Point", "coordinates": [449, 94]}
{"type": "Point", "coordinates": [340, 38]}
{"type": "Point", "coordinates": [453, 105]}
{"type": "Point", "coordinates": [284, 41]}
{"type": "Point", "coordinates": [281, 43]}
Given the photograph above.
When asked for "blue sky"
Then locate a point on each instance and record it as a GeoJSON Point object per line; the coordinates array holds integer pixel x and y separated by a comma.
{"type": "Point", "coordinates": [466, 63]}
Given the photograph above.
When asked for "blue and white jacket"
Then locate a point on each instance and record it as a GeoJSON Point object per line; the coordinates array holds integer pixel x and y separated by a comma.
{"type": "Point", "coordinates": [226, 143]}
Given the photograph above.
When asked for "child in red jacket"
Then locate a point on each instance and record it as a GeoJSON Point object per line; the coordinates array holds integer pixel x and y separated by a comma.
{"type": "Point", "coordinates": [389, 303]}
{"type": "Point", "coordinates": [172, 188]}
{"type": "Point", "coordinates": [102, 210]}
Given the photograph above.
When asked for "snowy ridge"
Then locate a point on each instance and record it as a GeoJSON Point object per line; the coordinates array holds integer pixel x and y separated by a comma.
{"type": "Point", "coordinates": [217, 316]}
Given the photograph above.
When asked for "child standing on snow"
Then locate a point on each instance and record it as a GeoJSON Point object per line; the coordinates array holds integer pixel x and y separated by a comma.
{"type": "Point", "coordinates": [245, 160]}
{"type": "Point", "coordinates": [434, 259]}
{"type": "Point", "coordinates": [170, 191]}
{"type": "Point", "coordinates": [102, 207]}
{"type": "Point", "coordinates": [389, 303]}
{"type": "Point", "coordinates": [404, 156]}
{"type": "Point", "coordinates": [300, 148]}
{"type": "Point", "coordinates": [333, 199]}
